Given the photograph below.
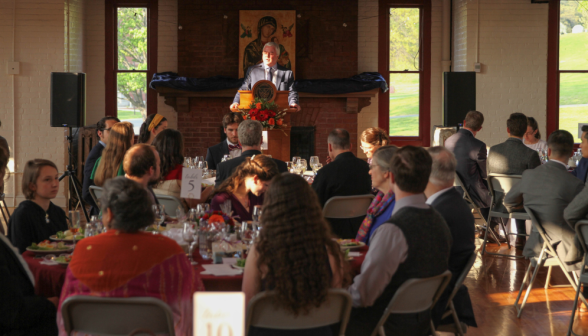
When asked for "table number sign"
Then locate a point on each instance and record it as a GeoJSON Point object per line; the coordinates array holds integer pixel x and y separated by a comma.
{"type": "Point", "coordinates": [191, 183]}
{"type": "Point", "coordinates": [219, 314]}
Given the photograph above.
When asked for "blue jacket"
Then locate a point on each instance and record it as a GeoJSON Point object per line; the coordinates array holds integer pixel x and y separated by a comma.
{"type": "Point", "coordinates": [581, 169]}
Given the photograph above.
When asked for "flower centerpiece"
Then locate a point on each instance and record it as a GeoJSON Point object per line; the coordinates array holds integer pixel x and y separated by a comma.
{"type": "Point", "coordinates": [217, 219]}
{"type": "Point", "coordinates": [267, 113]}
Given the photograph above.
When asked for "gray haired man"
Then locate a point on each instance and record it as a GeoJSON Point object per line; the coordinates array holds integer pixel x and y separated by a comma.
{"type": "Point", "coordinates": [270, 70]}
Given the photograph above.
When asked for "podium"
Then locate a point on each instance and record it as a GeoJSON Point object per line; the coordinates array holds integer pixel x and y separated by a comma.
{"type": "Point", "coordinates": [278, 145]}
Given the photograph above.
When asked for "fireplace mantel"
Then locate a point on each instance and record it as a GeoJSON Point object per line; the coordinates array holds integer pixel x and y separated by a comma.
{"type": "Point", "coordinates": [180, 99]}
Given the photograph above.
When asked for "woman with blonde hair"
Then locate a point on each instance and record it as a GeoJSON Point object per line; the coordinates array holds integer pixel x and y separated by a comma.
{"type": "Point", "coordinates": [246, 186]}
{"type": "Point", "coordinates": [372, 139]}
{"type": "Point", "coordinates": [153, 124]}
{"type": "Point", "coordinates": [110, 164]}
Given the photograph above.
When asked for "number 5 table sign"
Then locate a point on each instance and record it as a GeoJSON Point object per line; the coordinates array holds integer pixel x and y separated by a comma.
{"type": "Point", "coordinates": [219, 314]}
{"type": "Point", "coordinates": [191, 183]}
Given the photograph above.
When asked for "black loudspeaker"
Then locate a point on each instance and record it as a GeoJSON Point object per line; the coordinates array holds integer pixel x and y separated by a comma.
{"type": "Point", "coordinates": [459, 96]}
{"type": "Point", "coordinates": [68, 99]}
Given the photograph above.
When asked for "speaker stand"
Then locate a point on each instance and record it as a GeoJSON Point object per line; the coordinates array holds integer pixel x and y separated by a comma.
{"type": "Point", "coordinates": [70, 172]}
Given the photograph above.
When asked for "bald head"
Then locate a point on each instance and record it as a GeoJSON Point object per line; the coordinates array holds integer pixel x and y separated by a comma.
{"type": "Point", "coordinates": [139, 159]}
{"type": "Point", "coordinates": [443, 168]}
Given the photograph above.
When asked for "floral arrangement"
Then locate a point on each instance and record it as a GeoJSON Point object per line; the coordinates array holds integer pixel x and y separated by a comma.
{"type": "Point", "coordinates": [218, 217]}
{"type": "Point", "coordinates": [266, 113]}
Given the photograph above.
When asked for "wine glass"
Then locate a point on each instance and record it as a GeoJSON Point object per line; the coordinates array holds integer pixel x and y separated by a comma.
{"type": "Point", "coordinates": [188, 236]}
{"type": "Point", "coordinates": [313, 161]}
{"type": "Point", "coordinates": [256, 213]}
{"type": "Point", "coordinates": [159, 212]}
{"type": "Point", "coordinates": [204, 166]}
{"type": "Point", "coordinates": [290, 166]}
{"type": "Point", "coordinates": [316, 168]}
{"type": "Point", "coordinates": [188, 162]}
{"type": "Point", "coordinates": [193, 215]}
{"type": "Point", "coordinates": [295, 159]}
{"type": "Point", "coordinates": [302, 165]}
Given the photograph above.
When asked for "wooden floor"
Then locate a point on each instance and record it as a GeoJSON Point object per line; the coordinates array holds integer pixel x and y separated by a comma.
{"type": "Point", "coordinates": [493, 285]}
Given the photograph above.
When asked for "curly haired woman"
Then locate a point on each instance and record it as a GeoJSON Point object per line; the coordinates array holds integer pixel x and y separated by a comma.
{"type": "Point", "coordinates": [295, 254]}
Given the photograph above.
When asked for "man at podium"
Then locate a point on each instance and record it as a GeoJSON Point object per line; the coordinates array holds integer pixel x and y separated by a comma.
{"type": "Point", "coordinates": [282, 78]}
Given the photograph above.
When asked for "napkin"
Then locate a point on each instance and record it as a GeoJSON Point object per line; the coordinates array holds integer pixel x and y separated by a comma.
{"type": "Point", "coordinates": [220, 270]}
{"type": "Point", "coordinates": [353, 254]}
{"type": "Point", "coordinates": [49, 262]}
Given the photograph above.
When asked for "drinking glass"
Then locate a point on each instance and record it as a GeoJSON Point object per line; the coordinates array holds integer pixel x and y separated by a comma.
{"type": "Point", "coordinates": [193, 215]}
{"type": "Point", "coordinates": [203, 208]}
{"type": "Point", "coordinates": [316, 168]}
{"type": "Point", "coordinates": [159, 212]}
{"type": "Point", "coordinates": [289, 166]}
{"type": "Point", "coordinates": [204, 166]}
{"type": "Point", "coordinates": [302, 166]}
{"type": "Point", "coordinates": [256, 213]}
{"type": "Point", "coordinates": [226, 157]}
{"type": "Point", "coordinates": [313, 161]}
{"type": "Point", "coordinates": [295, 159]}
{"type": "Point", "coordinates": [188, 236]}
{"type": "Point", "coordinates": [74, 220]}
{"type": "Point", "coordinates": [188, 162]}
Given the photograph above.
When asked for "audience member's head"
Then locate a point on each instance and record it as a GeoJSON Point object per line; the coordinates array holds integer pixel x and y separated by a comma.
{"type": "Point", "coordinates": [154, 123]}
{"type": "Point", "coordinates": [473, 121]}
{"type": "Point", "coordinates": [561, 145]}
{"type": "Point", "coordinates": [532, 132]}
{"type": "Point", "coordinates": [169, 144]}
{"type": "Point", "coordinates": [250, 134]}
{"type": "Point", "coordinates": [380, 168]}
{"type": "Point", "coordinates": [142, 162]}
{"type": "Point", "coordinates": [443, 167]}
{"type": "Point", "coordinates": [584, 141]}
{"type": "Point", "coordinates": [103, 127]}
{"type": "Point", "coordinates": [292, 244]}
{"type": "Point", "coordinates": [119, 141]}
{"type": "Point", "coordinates": [339, 142]}
{"type": "Point", "coordinates": [40, 179]}
{"type": "Point", "coordinates": [372, 139]}
{"type": "Point", "coordinates": [126, 205]}
{"type": "Point", "coordinates": [411, 168]}
{"type": "Point", "coordinates": [231, 122]}
{"type": "Point", "coordinates": [255, 173]}
{"type": "Point", "coordinates": [516, 125]}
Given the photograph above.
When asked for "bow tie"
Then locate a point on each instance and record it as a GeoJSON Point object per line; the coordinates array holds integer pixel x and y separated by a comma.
{"type": "Point", "coordinates": [233, 147]}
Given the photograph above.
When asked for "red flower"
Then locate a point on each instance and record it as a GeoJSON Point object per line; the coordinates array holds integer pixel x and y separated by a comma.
{"type": "Point", "coordinates": [258, 106]}
{"type": "Point", "coordinates": [253, 118]}
{"type": "Point", "coordinates": [279, 122]}
{"type": "Point", "coordinates": [263, 115]}
{"type": "Point", "coordinates": [272, 114]}
{"type": "Point", "coordinates": [271, 121]}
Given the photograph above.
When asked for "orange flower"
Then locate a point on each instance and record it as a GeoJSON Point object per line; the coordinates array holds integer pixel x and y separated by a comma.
{"type": "Point", "coordinates": [279, 122]}
{"type": "Point", "coordinates": [258, 106]}
{"type": "Point", "coordinates": [216, 219]}
{"type": "Point", "coordinates": [253, 118]}
{"type": "Point", "coordinates": [271, 121]}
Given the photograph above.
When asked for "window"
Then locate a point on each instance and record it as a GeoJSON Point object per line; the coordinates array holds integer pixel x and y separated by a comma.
{"type": "Point", "coordinates": [404, 60]}
{"type": "Point", "coordinates": [568, 66]}
{"type": "Point", "coordinates": [131, 31]}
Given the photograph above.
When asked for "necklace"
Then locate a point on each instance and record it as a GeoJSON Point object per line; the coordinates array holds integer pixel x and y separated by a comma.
{"type": "Point", "coordinates": [47, 218]}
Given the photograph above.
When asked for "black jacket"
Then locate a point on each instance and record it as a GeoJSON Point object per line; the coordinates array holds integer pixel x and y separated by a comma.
{"type": "Point", "coordinates": [225, 169]}
{"type": "Point", "coordinates": [95, 153]}
{"type": "Point", "coordinates": [214, 154]}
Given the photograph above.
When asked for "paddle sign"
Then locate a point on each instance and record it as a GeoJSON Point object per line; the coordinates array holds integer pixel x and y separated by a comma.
{"type": "Point", "coordinates": [219, 314]}
{"type": "Point", "coordinates": [191, 183]}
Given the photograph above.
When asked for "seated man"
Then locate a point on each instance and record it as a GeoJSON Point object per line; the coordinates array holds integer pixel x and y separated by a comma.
{"type": "Point", "coordinates": [103, 131]}
{"type": "Point", "coordinates": [548, 190]}
{"type": "Point", "coordinates": [141, 164]}
{"type": "Point", "coordinates": [230, 146]}
{"type": "Point", "coordinates": [512, 157]}
{"type": "Point", "coordinates": [346, 175]}
{"type": "Point", "coordinates": [582, 168]}
{"type": "Point", "coordinates": [444, 198]}
{"type": "Point", "coordinates": [414, 243]}
{"type": "Point", "coordinates": [250, 137]}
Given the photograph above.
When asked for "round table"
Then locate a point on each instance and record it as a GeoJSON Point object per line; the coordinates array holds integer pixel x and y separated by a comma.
{"type": "Point", "coordinates": [49, 279]}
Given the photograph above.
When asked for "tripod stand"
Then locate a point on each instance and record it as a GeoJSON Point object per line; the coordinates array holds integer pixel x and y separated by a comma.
{"type": "Point", "coordinates": [70, 171]}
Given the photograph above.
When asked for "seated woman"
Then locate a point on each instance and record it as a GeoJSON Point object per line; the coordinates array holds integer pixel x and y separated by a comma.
{"type": "Point", "coordinates": [18, 303]}
{"type": "Point", "coordinates": [127, 262]}
{"type": "Point", "coordinates": [154, 124]}
{"type": "Point", "coordinates": [110, 164]}
{"type": "Point", "coordinates": [295, 254]}
{"type": "Point", "coordinates": [372, 139]}
{"type": "Point", "coordinates": [169, 144]}
{"type": "Point", "coordinates": [246, 186]}
{"type": "Point", "coordinates": [532, 138]}
{"type": "Point", "coordinates": [383, 204]}
{"type": "Point", "coordinates": [37, 218]}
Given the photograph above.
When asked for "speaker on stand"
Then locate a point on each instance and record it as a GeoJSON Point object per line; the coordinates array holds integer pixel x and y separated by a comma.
{"type": "Point", "coordinates": [459, 96]}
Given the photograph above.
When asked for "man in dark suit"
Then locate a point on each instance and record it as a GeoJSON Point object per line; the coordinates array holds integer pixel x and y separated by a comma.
{"type": "Point", "coordinates": [230, 146]}
{"type": "Point", "coordinates": [103, 131]}
{"type": "Point", "coordinates": [444, 198]}
{"type": "Point", "coordinates": [250, 137]}
{"type": "Point", "coordinates": [548, 190]}
{"type": "Point", "coordinates": [582, 168]}
{"type": "Point", "coordinates": [346, 175]}
{"type": "Point", "coordinates": [512, 157]}
{"type": "Point", "coordinates": [270, 70]}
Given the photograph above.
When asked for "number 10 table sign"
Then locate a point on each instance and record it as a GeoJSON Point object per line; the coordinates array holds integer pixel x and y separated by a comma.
{"type": "Point", "coordinates": [191, 183]}
{"type": "Point", "coordinates": [219, 314]}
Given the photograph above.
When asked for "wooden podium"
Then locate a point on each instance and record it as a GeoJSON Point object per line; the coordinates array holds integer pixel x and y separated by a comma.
{"type": "Point", "coordinates": [278, 139]}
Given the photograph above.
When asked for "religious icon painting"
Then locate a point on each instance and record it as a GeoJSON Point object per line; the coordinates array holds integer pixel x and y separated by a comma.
{"type": "Point", "coordinates": [257, 27]}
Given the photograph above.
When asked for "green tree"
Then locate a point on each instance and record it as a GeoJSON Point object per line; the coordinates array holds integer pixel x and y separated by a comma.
{"type": "Point", "coordinates": [404, 38]}
{"type": "Point", "coordinates": [132, 55]}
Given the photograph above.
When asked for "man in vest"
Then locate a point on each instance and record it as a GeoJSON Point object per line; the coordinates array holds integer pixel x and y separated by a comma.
{"type": "Point", "coordinates": [414, 243]}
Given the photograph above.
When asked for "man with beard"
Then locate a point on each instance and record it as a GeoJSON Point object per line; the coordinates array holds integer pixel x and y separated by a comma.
{"type": "Point", "coordinates": [141, 164]}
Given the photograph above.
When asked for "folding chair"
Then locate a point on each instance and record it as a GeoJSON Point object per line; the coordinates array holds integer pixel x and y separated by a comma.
{"type": "Point", "coordinates": [547, 251]}
{"type": "Point", "coordinates": [96, 193]}
{"type": "Point", "coordinates": [466, 196]}
{"type": "Point", "coordinates": [582, 235]}
{"type": "Point", "coordinates": [116, 316]}
{"type": "Point", "coordinates": [414, 296]}
{"type": "Point", "coordinates": [450, 307]}
{"type": "Point", "coordinates": [170, 203]}
{"type": "Point", "coordinates": [503, 183]}
{"type": "Point", "coordinates": [341, 207]}
{"type": "Point", "coordinates": [4, 210]}
{"type": "Point", "coordinates": [262, 312]}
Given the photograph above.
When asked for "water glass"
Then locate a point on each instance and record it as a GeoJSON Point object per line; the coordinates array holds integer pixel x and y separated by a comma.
{"type": "Point", "coordinates": [256, 214]}
{"type": "Point", "coordinates": [188, 236]}
{"type": "Point", "coordinates": [193, 215]}
{"type": "Point", "coordinates": [313, 161]}
{"type": "Point", "coordinates": [302, 166]}
{"type": "Point", "coordinates": [204, 166]}
{"type": "Point", "coordinates": [188, 162]}
{"type": "Point", "coordinates": [159, 212]}
{"type": "Point", "coordinates": [74, 220]}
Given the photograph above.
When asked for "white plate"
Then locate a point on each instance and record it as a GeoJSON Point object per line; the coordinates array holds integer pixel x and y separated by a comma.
{"type": "Point", "coordinates": [54, 238]}
{"type": "Point", "coordinates": [45, 252]}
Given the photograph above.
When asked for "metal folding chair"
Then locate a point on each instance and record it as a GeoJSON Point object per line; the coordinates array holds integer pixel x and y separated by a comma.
{"type": "Point", "coordinates": [414, 296]}
{"type": "Point", "coordinates": [582, 234]}
{"type": "Point", "coordinates": [341, 207]}
{"type": "Point", "coordinates": [4, 210]}
{"type": "Point", "coordinates": [547, 257]}
{"type": "Point", "coordinates": [466, 196]}
{"type": "Point", "coordinates": [116, 316]}
{"type": "Point", "coordinates": [170, 203]}
{"type": "Point", "coordinates": [262, 312]}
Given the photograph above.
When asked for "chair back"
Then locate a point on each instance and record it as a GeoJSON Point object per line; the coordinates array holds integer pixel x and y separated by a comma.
{"type": "Point", "coordinates": [582, 232]}
{"type": "Point", "coordinates": [463, 275]}
{"type": "Point", "coordinates": [96, 193]}
{"type": "Point", "coordinates": [502, 183]}
{"type": "Point", "coordinates": [347, 206]}
{"type": "Point", "coordinates": [170, 203]}
{"type": "Point", "coordinates": [116, 316]}
{"type": "Point", "coordinates": [262, 312]}
{"type": "Point", "coordinates": [539, 227]}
